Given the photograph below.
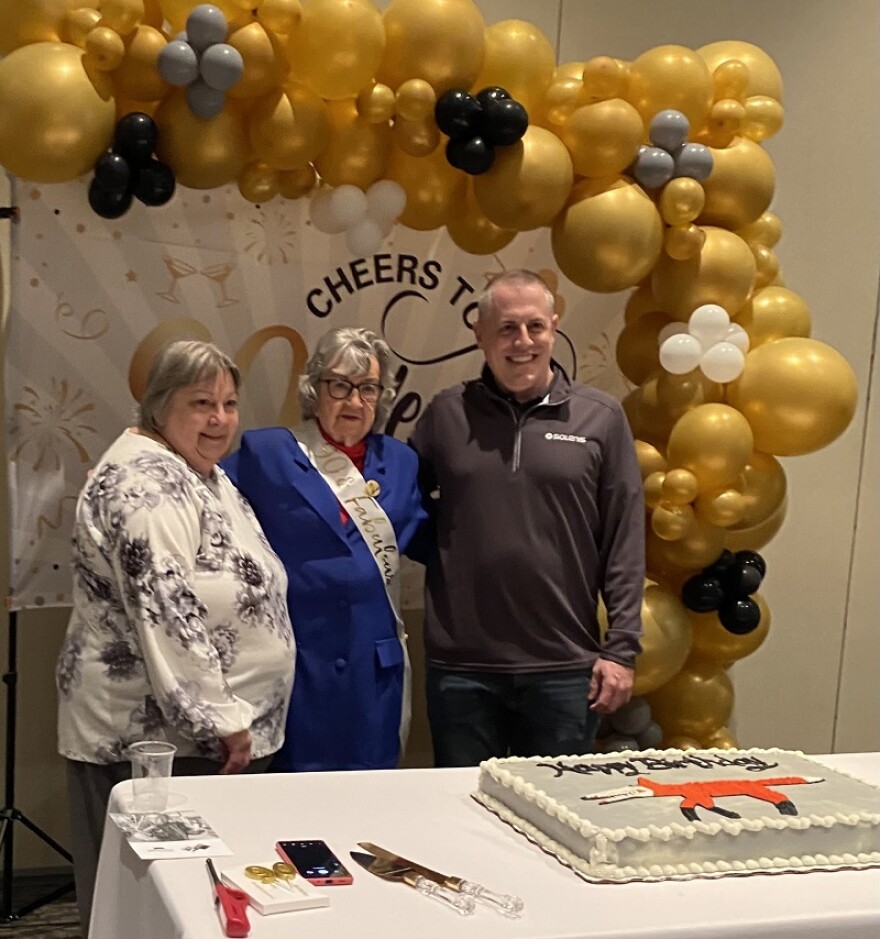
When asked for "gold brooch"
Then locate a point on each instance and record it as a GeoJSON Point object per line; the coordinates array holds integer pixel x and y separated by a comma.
{"type": "Point", "coordinates": [372, 488]}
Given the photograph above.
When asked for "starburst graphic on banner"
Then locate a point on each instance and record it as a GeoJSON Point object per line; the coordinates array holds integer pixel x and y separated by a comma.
{"type": "Point", "coordinates": [270, 239]}
{"type": "Point", "coordinates": [47, 423]}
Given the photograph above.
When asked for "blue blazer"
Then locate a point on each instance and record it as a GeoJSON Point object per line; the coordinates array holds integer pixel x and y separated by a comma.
{"type": "Point", "coordinates": [345, 709]}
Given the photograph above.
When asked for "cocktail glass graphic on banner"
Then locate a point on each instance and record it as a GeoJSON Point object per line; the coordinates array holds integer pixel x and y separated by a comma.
{"type": "Point", "coordinates": [151, 762]}
{"type": "Point", "coordinates": [177, 269]}
{"type": "Point", "coordinates": [219, 273]}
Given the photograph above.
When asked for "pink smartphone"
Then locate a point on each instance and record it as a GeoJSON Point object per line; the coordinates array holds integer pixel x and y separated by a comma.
{"type": "Point", "coordinates": [315, 862]}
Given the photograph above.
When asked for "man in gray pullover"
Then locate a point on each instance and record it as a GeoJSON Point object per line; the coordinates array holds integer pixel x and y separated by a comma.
{"type": "Point", "coordinates": [540, 510]}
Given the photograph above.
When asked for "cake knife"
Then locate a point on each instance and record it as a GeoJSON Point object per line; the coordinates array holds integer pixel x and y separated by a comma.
{"type": "Point", "coordinates": [508, 905]}
{"type": "Point", "coordinates": [402, 873]}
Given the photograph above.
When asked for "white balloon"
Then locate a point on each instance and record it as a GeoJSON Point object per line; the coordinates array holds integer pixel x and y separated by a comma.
{"type": "Point", "coordinates": [348, 205]}
{"type": "Point", "coordinates": [364, 237]}
{"type": "Point", "coordinates": [386, 200]}
{"type": "Point", "coordinates": [320, 214]}
{"type": "Point", "coordinates": [709, 324]}
{"type": "Point", "coordinates": [680, 354]}
{"type": "Point", "coordinates": [670, 329]}
{"type": "Point", "coordinates": [723, 362]}
{"type": "Point", "coordinates": [738, 336]}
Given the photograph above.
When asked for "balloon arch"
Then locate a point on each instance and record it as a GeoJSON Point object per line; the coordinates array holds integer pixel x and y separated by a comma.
{"type": "Point", "coordinates": [650, 175]}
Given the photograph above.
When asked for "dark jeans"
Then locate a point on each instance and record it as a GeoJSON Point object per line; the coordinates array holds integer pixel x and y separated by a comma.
{"type": "Point", "coordinates": [478, 715]}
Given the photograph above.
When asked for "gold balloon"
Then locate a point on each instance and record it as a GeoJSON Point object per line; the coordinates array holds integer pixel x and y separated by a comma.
{"type": "Point", "coordinates": [176, 12]}
{"type": "Point", "coordinates": [289, 128]}
{"type": "Point", "coordinates": [653, 486]}
{"type": "Point", "coordinates": [434, 190]}
{"type": "Point", "coordinates": [519, 58]}
{"type": "Point", "coordinates": [797, 394]}
{"type": "Point", "coordinates": [666, 640]}
{"type": "Point", "coordinates": [78, 24]}
{"type": "Point", "coordinates": [714, 442]}
{"type": "Point", "coordinates": [280, 17]}
{"type": "Point", "coordinates": [681, 200]}
{"type": "Point", "coordinates": [153, 15]}
{"type": "Point", "coordinates": [763, 75]}
{"type": "Point", "coordinates": [767, 265]}
{"type": "Point", "coordinates": [723, 508]}
{"type": "Point", "coordinates": [680, 486]}
{"type": "Point", "coordinates": [775, 313]}
{"type": "Point", "coordinates": [663, 398]}
{"type": "Point", "coordinates": [756, 536]}
{"type": "Point", "coordinates": [376, 103]}
{"type": "Point", "coordinates": [609, 236]}
{"type": "Point", "coordinates": [700, 547]}
{"type": "Point", "coordinates": [763, 118]}
{"type": "Point", "coordinates": [293, 184]}
{"type": "Point", "coordinates": [440, 41]}
{"type": "Point", "coordinates": [740, 187]}
{"type": "Point", "coordinates": [137, 76]}
{"type": "Point", "coordinates": [680, 742]}
{"type": "Point", "coordinates": [258, 182]}
{"type": "Point", "coordinates": [713, 643]}
{"type": "Point", "coordinates": [672, 522]}
{"type": "Point", "coordinates": [417, 138]}
{"type": "Point", "coordinates": [557, 103]}
{"type": "Point", "coordinates": [763, 489]}
{"type": "Point", "coordinates": [264, 62]}
{"type": "Point", "coordinates": [338, 46]}
{"type": "Point", "coordinates": [416, 100]}
{"type": "Point", "coordinates": [28, 21]}
{"type": "Point", "coordinates": [766, 230]}
{"type": "Point", "coordinates": [528, 182]}
{"type": "Point", "coordinates": [731, 79]}
{"type": "Point", "coordinates": [122, 16]}
{"type": "Point", "coordinates": [603, 138]}
{"type": "Point", "coordinates": [721, 739]}
{"type": "Point", "coordinates": [104, 48]}
{"type": "Point", "coordinates": [640, 301]}
{"type": "Point", "coordinates": [721, 273]}
{"type": "Point", "coordinates": [603, 78]}
{"type": "Point", "coordinates": [471, 231]}
{"type": "Point", "coordinates": [695, 702]}
{"type": "Point", "coordinates": [567, 70]}
{"type": "Point", "coordinates": [651, 460]}
{"type": "Point", "coordinates": [53, 123]}
{"type": "Point", "coordinates": [683, 242]}
{"type": "Point", "coordinates": [357, 152]}
{"type": "Point", "coordinates": [671, 77]}
{"type": "Point", "coordinates": [637, 350]}
{"type": "Point", "coordinates": [203, 154]}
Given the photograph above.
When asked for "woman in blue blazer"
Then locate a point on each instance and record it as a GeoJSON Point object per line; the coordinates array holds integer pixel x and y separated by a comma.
{"type": "Point", "coordinates": [340, 503]}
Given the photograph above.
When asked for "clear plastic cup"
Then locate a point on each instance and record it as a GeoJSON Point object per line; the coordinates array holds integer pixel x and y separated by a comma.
{"type": "Point", "coordinates": [151, 762]}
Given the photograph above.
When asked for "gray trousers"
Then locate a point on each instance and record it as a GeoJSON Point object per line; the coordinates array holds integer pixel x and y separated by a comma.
{"type": "Point", "coordinates": [88, 790]}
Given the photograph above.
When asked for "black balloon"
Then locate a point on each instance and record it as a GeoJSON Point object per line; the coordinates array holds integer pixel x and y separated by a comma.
{"type": "Point", "coordinates": [154, 184]}
{"type": "Point", "coordinates": [458, 114]}
{"type": "Point", "coordinates": [725, 560]}
{"type": "Point", "coordinates": [504, 121]}
{"type": "Point", "coordinates": [702, 593]}
{"type": "Point", "coordinates": [135, 137]}
{"type": "Point", "coordinates": [740, 616]}
{"type": "Point", "coordinates": [741, 580]}
{"type": "Point", "coordinates": [474, 156]}
{"type": "Point", "coordinates": [753, 558]}
{"type": "Point", "coordinates": [113, 172]}
{"type": "Point", "coordinates": [492, 93]}
{"type": "Point", "coordinates": [108, 203]}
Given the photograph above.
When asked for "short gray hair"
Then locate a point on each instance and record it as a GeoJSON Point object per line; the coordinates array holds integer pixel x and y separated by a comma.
{"type": "Point", "coordinates": [351, 349]}
{"type": "Point", "coordinates": [179, 365]}
{"type": "Point", "coordinates": [519, 277]}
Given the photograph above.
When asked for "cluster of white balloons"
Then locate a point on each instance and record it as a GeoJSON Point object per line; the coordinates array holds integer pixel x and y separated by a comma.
{"type": "Point", "coordinates": [365, 217]}
{"type": "Point", "coordinates": [200, 60]}
{"type": "Point", "coordinates": [708, 341]}
{"type": "Point", "coordinates": [631, 728]}
{"type": "Point", "coordinates": [669, 154]}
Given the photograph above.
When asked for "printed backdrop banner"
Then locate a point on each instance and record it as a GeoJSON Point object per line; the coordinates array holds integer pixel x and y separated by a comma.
{"type": "Point", "coordinates": [92, 300]}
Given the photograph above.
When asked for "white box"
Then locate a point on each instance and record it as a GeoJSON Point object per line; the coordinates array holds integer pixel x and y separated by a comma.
{"type": "Point", "coordinates": [278, 897]}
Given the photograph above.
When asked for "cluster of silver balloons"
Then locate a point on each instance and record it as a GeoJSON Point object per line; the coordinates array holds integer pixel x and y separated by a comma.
{"type": "Point", "coordinates": [200, 60]}
{"type": "Point", "coordinates": [670, 155]}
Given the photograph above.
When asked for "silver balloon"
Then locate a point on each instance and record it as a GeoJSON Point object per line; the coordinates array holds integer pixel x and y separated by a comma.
{"type": "Point", "coordinates": [651, 736]}
{"type": "Point", "coordinates": [654, 167]}
{"type": "Point", "coordinates": [619, 744]}
{"type": "Point", "coordinates": [203, 100]}
{"type": "Point", "coordinates": [694, 160]}
{"type": "Point", "coordinates": [221, 66]}
{"type": "Point", "coordinates": [178, 63]}
{"type": "Point", "coordinates": [632, 718]}
{"type": "Point", "coordinates": [206, 25]}
{"type": "Point", "coordinates": [669, 129]}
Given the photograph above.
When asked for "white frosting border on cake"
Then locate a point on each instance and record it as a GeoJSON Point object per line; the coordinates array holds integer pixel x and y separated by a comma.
{"type": "Point", "coordinates": [601, 867]}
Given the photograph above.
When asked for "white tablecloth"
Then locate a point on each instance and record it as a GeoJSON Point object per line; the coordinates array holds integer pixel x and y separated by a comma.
{"type": "Point", "coordinates": [428, 815]}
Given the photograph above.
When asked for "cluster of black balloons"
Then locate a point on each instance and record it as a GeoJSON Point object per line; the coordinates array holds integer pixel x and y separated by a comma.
{"type": "Point", "coordinates": [477, 124]}
{"type": "Point", "coordinates": [129, 170]}
{"type": "Point", "coordinates": [727, 586]}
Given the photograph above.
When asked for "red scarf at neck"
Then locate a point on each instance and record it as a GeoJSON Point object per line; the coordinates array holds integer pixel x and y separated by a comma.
{"type": "Point", "coordinates": [357, 453]}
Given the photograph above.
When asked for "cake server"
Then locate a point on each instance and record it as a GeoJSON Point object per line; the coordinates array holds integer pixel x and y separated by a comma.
{"type": "Point", "coordinates": [503, 902]}
{"type": "Point", "coordinates": [403, 873]}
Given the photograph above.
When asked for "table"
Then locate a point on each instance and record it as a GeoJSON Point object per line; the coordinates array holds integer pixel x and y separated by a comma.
{"type": "Point", "coordinates": [428, 815]}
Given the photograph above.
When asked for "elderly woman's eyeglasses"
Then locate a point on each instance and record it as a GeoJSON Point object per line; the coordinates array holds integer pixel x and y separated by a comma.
{"type": "Point", "coordinates": [341, 389]}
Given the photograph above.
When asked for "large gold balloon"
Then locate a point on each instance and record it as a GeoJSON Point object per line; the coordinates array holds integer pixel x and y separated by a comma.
{"type": "Point", "coordinates": [666, 640]}
{"type": "Point", "coordinates": [440, 41]}
{"type": "Point", "coordinates": [663, 398]}
{"type": "Point", "coordinates": [756, 536]}
{"type": "Point", "coordinates": [740, 187]}
{"type": "Point", "coordinates": [519, 58]}
{"type": "Point", "coordinates": [714, 442]}
{"type": "Point", "coordinates": [640, 301]}
{"type": "Point", "coordinates": [671, 77]}
{"type": "Point", "coordinates": [698, 548]}
{"type": "Point", "coordinates": [637, 350]}
{"type": "Point", "coordinates": [764, 77]}
{"type": "Point", "coordinates": [137, 77]}
{"type": "Point", "coordinates": [176, 12]}
{"type": "Point", "coordinates": [528, 182]}
{"type": "Point", "coordinates": [713, 643]}
{"type": "Point", "coordinates": [357, 152]}
{"type": "Point", "coordinates": [763, 489]}
{"type": "Point", "coordinates": [775, 313]}
{"type": "Point", "coordinates": [721, 273]}
{"type": "Point", "coordinates": [609, 236]}
{"type": "Point", "coordinates": [264, 62]}
{"type": "Point", "coordinates": [203, 154]}
{"type": "Point", "coordinates": [603, 138]}
{"type": "Point", "coordinates": [338, 46]}
{"type": "Point", "coordinates": [695, 702]}
{"type": "Point", "coordinates": [288, 129]}
{"type": "Point", "coordinates": [797, 394]}
{"type": "Point", "coordinates": [434, 190]}
{"type": "Point", "coordinates": [469, 228]}
{"type": "Point", "coordinates": [27, 21]}
{"type": "Point", "coordinates": [53, 123]}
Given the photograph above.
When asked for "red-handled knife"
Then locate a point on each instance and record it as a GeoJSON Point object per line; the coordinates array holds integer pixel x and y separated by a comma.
{"type": "Point", "coordinates": [231, 906]}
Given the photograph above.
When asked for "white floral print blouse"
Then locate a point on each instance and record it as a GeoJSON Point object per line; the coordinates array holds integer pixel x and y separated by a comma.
{"type": "Point", "coordinates": [179, 629]}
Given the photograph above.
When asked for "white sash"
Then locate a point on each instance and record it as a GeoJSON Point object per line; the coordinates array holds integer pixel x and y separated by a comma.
{"type": "Point", "coordinates": [358, 497]}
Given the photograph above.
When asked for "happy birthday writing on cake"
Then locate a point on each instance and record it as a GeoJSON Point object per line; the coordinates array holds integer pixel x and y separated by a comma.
{"type": "Point", "coordinates": [641, 764]}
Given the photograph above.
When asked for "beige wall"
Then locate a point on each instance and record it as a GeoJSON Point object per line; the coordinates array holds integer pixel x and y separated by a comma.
{"type": "Point", "coordinates": [814, 684]}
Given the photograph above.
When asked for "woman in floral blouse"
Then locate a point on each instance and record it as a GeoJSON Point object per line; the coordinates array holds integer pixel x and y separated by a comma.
{"type": "Point", "coordinates": [179, 630]}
